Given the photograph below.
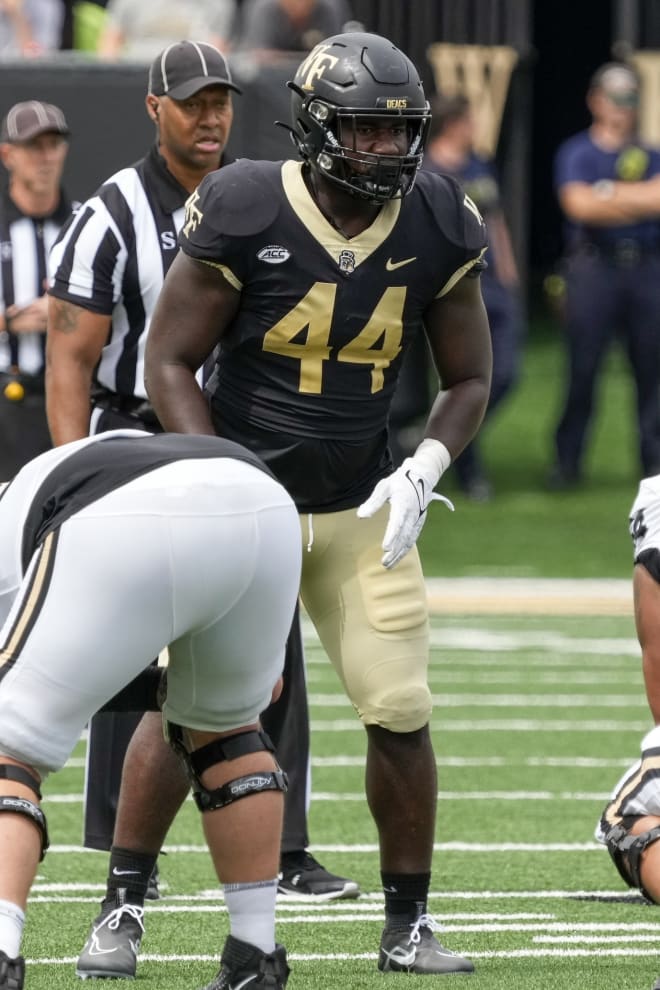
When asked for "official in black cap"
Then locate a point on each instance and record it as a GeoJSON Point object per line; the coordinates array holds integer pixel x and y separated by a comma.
{"type": "Point", "coordinates": [182, 69]}
{"type": "Point", "coordinates": [33, 206]}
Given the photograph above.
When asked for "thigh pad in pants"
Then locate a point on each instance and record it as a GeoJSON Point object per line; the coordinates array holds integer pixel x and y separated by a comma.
{"type": "Point", "coordinates": [373, 622]}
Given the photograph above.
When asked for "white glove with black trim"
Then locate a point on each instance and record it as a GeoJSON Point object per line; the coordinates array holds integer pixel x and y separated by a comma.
{"type": "Point", "coordinates": [409, 490]}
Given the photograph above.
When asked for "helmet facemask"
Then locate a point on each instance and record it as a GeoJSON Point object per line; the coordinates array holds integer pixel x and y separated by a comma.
{"type": "Point", "coordinates": [366, 175]}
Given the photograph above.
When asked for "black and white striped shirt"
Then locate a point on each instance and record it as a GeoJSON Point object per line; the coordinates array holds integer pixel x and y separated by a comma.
{"type": "Point", "coordinates": [112, 258]}
{"type": "Point", "coordinates": [25, 242]}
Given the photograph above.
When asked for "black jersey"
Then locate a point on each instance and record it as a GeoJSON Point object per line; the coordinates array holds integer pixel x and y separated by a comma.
{"type": "Point", "coordinates": [307, 370]}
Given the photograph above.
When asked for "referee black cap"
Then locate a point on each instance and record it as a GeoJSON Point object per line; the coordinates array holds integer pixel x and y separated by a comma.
{"type": "Point", "coordinates": [28, 120]}
{"type": "Point", "coordinates": [184, 68]}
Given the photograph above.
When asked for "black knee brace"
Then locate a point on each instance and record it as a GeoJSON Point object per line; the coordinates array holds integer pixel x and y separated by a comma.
{"type": "Point", "coordinates": [227, 748]}
{"type": "Point", "coordinates": [21, 806]}
{"type": "Point", "coordinates": [626, 851]}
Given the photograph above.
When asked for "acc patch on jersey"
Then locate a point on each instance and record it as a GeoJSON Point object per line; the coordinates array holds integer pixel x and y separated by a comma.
{"type": "Point", "coordinates": [274, 254]}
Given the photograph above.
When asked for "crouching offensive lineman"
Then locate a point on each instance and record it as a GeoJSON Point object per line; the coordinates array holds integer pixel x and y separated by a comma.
{"type": "Point", "coordinates": [630, 824]}
{"type": "Point", "coordinates": [112, 548]}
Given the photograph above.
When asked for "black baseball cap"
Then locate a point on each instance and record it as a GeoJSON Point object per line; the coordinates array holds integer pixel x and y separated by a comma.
{"type": "Point", "coordinates": [184, 68]}
{"type": "Point", "coordinates": [30, 119]}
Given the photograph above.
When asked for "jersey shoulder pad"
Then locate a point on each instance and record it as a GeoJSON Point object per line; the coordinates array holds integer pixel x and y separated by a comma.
{"type": "Point", "coordinates": [239, 199]}
{"type": "Point", "coordinates": [455, 214]}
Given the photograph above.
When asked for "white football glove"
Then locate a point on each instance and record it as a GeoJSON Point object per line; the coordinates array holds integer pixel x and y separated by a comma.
{"type": "Point", "coordinates": [409, 490]}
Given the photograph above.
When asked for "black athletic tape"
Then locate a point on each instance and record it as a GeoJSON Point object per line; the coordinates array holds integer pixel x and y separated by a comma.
{"type": "Point", "coordinates": [9, 771]}
{"type": "Point", "coordinates": [234, 790]}
{"type": "Point", "coordinates": [230, 748]}
{"type": "Point", "coordinates": [21, 806]}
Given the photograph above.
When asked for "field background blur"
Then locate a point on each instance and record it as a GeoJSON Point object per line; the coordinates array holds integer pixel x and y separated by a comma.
{"type": "Point", "coordinates": [527, 531]}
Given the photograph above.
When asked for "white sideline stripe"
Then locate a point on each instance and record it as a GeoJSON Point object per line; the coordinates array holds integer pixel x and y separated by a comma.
{"type": "Point", "coordinates": [326, 796]}
{"type": "Point", "coordinates": [471, 761]}
{"type": "Point", "coordinates": [594, 939]}
{"type": "Point", "coordinates": [362, 956]}
{"type": "Point", "coordinates": [502, 725]}
{"type": "Point", "coordinates": [545, 641]}
{"type": "Point", "coordinates": [531, 596]}
{"type": "Point", "coordinates": [552, 596]}
{"type": "Point", "coordinates": [485, 700]}
{"type": "Point", "coordinates": [535, 678]}
{"type": "Point", "coordinates": [451, 928]}
{"type": "Point", "coordinates": [469, 847]}
{"type": "Point", "coordinates": [487, 761]}
{"type": "Point", "coordinates": [548, 643]}
{"type": "Point", "coordinates": [367, 900]}
{"type": "Point", "coordinates": [567, 661]}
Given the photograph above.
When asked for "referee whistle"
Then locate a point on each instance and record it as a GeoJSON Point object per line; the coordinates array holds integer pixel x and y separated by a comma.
{"type": "Point", "coordinates": [14, 391]}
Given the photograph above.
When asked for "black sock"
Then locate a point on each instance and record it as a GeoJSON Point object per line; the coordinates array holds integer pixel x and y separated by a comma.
{"type": "Point", "coordinates": [293, 860]}
{"type": "Point", "coordinates": [405, 897]}
{"type": "Point", "coordinates": [129, 871]}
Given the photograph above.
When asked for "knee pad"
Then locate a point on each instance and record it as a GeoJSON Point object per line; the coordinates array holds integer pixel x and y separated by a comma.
{"type": "Point", "coordinates": [217, 751]}
{"type": "Point", "coordinates": [20, 805]}
{"type": "Point", "coordinates": [405, 709]}
{"type": "Point", "coordinates": [626, 852]}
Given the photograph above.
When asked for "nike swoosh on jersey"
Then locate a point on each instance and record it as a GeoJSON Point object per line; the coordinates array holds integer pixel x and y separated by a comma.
{"type": "Point", "coordinates": [392, 266]}
{"type": "Point", "coordinates": [124, 873]}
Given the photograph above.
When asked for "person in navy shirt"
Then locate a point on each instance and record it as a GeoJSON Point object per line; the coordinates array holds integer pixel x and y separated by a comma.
{"type": "Point", "coordinates": [451, 151]}
{"type": "Point", "coordinates": [604, 177]}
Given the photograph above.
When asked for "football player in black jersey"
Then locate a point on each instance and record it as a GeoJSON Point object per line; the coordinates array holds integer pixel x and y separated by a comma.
{"type": "Point", "coordinates": [311, 279]}
{"type": "Point", "coordinates": [107, 271]}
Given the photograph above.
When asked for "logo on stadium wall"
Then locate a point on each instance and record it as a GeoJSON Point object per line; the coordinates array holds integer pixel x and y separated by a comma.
{"type": "Point", "coordinates": [482, 73]}
{"type": "Point", "coordinates": [274, 254]}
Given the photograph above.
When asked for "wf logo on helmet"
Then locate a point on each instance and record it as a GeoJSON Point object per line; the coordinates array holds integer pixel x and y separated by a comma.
{"type": "Point", "coordinates": [315, 65]}
{"type": "Point", "coordinates": [193, 214]}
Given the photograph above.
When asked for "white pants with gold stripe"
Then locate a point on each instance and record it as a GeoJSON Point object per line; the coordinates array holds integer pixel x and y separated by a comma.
{"type": "Point", "coordinates": [200, 556]}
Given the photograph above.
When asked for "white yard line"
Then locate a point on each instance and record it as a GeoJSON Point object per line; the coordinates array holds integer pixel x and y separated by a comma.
{"type": "Point", "coordinates": [531, 596]}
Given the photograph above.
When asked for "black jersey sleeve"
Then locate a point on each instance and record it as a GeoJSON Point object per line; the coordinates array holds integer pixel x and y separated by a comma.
{"type": "Point", "coordinates": [456, 215]}
{"type": "Point", "coordinates": [228, 207]}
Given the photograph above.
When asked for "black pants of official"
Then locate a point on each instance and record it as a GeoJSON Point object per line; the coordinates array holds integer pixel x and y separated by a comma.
{"type": "Point", "coordinates": [23, 425]}
{"type": "Point", "coordinates": [286, 722]}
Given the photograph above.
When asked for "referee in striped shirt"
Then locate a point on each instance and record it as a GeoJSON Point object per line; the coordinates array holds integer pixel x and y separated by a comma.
{"type": "Point", "coordinates": [34, 142]}
{"type": "Point", "coordinates": [106, 272]}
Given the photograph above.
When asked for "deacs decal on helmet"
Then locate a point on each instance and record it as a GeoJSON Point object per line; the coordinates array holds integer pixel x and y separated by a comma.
{"type": "Point", "coordinates": [353, 78]}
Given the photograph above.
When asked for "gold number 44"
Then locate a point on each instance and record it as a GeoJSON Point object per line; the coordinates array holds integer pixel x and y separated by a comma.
{"type": "Point", "coordinates": [378, 343]}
